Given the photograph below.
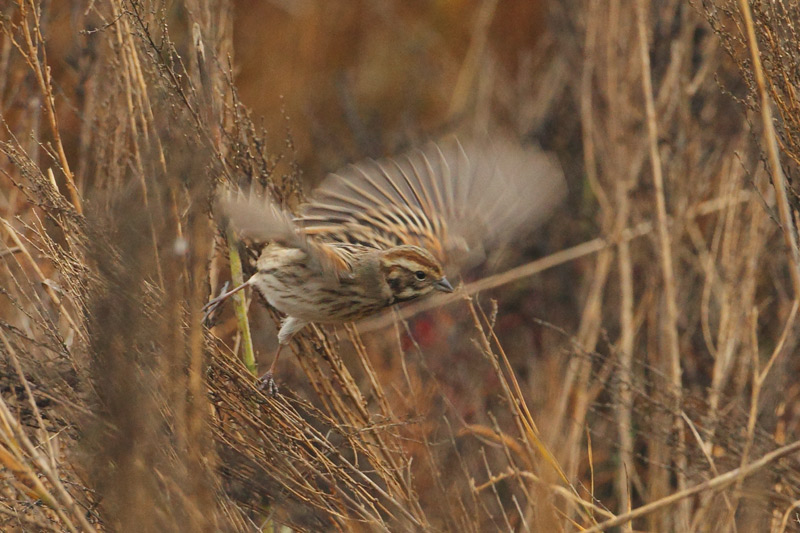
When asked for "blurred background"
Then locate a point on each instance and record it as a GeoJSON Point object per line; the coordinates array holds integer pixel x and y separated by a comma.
{"type": "Point", "coordinates": [368, 78]}
{"type": "Point", "coordinates": [645, 348]}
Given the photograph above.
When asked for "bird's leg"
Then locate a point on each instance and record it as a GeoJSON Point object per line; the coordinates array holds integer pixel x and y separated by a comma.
{"type": "Point", "coordinates": [214, 303]}
{"type": "Point", "coordinates": [267, 381]}
{"type": "Point", "coordinates": [289, 327]}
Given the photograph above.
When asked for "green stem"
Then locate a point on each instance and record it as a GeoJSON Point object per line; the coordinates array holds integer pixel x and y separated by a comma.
{"type": "Point", "coordinates": [240, 305]}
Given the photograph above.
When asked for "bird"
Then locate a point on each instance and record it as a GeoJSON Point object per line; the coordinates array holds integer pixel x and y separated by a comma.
{"type": "Point", "coordinates": [382, 232]}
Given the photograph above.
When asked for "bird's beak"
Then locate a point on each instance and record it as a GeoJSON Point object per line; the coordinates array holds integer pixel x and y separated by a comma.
{"type": "Point", "coordinates": [443, 285]}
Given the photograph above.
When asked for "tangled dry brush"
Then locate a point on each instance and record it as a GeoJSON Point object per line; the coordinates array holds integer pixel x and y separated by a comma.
{"type": "Point", "coordinates": [645, 379]}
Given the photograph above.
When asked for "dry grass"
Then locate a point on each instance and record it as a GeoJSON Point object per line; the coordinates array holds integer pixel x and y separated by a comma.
{"type": "Point", "coordinates": [645, 379]}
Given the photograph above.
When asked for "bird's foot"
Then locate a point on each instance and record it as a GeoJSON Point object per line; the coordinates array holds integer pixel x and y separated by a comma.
{"type": "Point", "coordinates": [266, 383]}
{"type": "Point", "coordinates": [214, 304]}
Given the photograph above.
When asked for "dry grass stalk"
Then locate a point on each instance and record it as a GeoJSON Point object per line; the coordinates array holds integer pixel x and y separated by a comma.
{"type": "Point", "coordinates": [669, 327]}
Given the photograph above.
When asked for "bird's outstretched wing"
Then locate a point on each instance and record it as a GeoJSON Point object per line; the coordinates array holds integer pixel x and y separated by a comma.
{"type": "Point", "coordinates": [450, 198]}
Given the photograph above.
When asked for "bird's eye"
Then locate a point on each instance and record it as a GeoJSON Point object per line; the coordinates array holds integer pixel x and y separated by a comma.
{"type": "Point", "coordinates": [420, 275]}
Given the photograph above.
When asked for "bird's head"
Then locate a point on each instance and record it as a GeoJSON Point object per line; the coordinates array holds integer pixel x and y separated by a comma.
{"type": "Point", "coordinates": [412, 272]}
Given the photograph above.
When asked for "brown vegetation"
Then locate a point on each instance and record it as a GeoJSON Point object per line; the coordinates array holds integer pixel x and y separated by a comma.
{"type": "Point", "coordinates": [645, 379]}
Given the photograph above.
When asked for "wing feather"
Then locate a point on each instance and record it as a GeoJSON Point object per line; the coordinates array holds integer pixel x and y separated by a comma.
{"type": "Point", "coordinates": [445, 197]}
{"type": "Point", "coordinates": [260, 219]}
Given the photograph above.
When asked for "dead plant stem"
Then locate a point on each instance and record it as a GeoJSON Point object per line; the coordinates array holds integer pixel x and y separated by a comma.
{"type": "Point", "coordinates": [670, 319]}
